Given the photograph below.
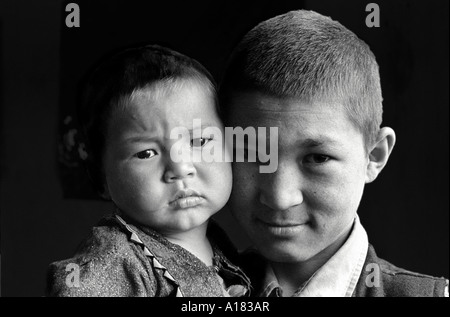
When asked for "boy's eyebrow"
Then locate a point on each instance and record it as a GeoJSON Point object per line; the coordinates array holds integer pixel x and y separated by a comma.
{"type": "Point", "coordinates": [311, 143]}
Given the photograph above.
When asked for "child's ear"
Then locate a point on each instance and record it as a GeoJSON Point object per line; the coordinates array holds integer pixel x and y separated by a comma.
{"type": "Point", "coordinates": [105, 194]}
{"type": "Point", "coordinates": [105, 191]}
{"type": "Point", "coordinates": [379, 153]}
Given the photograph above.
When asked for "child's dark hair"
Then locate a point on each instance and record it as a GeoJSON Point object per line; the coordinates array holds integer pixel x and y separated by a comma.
{"type": "Point", "coordinates": [117, 78]}
{"type": "Point", "coordinates": [305, 55]}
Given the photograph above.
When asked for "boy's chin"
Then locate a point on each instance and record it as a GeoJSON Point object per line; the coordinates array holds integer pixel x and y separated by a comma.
{"type": "Point", "coordinates": [286, 254]}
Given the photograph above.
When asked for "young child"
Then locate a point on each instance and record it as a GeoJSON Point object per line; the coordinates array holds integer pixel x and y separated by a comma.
{"type": "Point", "coordinates": [319, 84]}
{"type": "Point", "coordinates": [158, 242]}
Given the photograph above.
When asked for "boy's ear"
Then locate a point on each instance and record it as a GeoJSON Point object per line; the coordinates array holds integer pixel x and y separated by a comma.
{"type": "Point", "coordinates": [379, 153]}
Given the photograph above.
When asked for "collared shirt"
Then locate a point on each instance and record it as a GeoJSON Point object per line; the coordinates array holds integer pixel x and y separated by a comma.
{"type": "Point", "coordinates": [337, 277]}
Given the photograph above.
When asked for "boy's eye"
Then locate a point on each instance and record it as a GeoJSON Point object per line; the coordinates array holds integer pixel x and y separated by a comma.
{"type": "Point", "coordinates": [199, 142]}
{"type": "Point", "coordinates": [143, 155]}
{"type": "Point", "coordinates": [316, 158]}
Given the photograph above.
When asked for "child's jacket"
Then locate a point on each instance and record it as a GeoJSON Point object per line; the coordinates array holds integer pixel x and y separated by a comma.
{"type": "Point", "coordinates": [122, 259]}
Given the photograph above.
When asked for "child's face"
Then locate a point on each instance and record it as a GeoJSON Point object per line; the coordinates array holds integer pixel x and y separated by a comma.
{"type": "Point", "coordinates": [141, 177]}
{"type": "Point", "coordinates": [310, 202]}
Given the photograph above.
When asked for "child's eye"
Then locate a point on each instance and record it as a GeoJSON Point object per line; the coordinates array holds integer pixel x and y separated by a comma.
{"type": "Point", "coordinates": [199, 142]}
{"type": "Point", "coordinates": [316, 158]}
{"type": "Point", "coordinates": [143, 155]}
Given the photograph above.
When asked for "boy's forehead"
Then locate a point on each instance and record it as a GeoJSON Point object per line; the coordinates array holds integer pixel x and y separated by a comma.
{"type": "Point", "coordinates": [311, 123]}
{"type": "Point", "coordinates": [264, 106]}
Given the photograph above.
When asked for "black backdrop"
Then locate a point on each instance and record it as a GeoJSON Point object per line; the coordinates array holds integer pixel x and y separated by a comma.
{"type": "Point", "coordinates": [47, 205]}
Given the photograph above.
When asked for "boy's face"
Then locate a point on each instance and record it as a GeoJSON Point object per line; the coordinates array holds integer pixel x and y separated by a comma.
{"type": "Point", "coordinates": [141, 177]}
{"type": "Point", "coordinates": [310, 202]}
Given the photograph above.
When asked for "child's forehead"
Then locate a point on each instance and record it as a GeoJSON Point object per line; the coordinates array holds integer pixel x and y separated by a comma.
{"type": "Point", "coordinates": [175, 93]}
{"type": "Point", "coordinates": [165, 105]}
{"type": "Point", "coordinates": [161, 88]}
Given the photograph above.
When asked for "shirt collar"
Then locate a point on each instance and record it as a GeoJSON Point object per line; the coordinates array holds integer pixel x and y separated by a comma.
{"type": "Point", "coordinates": [337, 277]}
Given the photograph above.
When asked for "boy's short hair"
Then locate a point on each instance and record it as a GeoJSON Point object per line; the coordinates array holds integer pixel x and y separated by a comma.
{"type": "Point", "coordinates": [116, 80]}
{"type": "Point", "coordinates": [305, 55]}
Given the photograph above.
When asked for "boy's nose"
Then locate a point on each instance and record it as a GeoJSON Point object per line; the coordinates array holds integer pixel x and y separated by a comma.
{"type": "Point", "coordinates": [281, 190]}
{"type": "Point", "coordinates": [176, 171]}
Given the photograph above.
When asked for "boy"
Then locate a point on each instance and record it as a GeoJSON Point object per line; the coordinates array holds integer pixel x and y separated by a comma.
{"type": "Point", "coordinates": [158, 242]}
{"type": "Point", "coordinates": [319, 84]}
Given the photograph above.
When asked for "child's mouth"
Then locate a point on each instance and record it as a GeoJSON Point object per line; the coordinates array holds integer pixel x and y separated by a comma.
{"type": "Point", "coordinates": [187, 202]}
{"type": "Point", "coordinates": [186, 198]}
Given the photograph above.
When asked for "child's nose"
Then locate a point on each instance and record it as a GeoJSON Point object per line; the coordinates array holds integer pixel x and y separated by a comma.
{"type": "Point", "coordinates": [176, 171]}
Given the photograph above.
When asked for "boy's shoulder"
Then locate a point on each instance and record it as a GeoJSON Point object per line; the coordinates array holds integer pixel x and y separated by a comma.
{"type": "Point", "coordinates": [379, 278]}
{"type": "Point", "coordinates": [382, 278]}
{"type": "Point", "coordinates": [105, 264]}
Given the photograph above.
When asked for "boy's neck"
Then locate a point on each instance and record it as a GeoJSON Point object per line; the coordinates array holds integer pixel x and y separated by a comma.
{"type": "Point", "coordinates": [195, 241]}
{"type": "Point", "coordinates": [291, 276]}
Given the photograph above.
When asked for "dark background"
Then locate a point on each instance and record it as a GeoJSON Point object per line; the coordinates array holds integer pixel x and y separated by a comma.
{"type": "Point", "coordinates": [45, 202]}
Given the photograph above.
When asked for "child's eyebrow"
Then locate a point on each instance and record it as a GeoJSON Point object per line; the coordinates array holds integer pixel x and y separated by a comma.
{"type": "Point", "coordinates": [204, 126]}
{"type": "Point", "coordinates": [140, 139]}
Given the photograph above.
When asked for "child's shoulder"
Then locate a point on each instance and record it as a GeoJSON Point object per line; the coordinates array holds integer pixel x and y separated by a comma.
{"type": "Point", "coordinates": [105, 264]}
{"type": "Point", "coordinates": [106, 240]}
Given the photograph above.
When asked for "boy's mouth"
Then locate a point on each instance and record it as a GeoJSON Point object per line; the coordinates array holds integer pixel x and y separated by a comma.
{"type": "Point", "coordinates": [281, 224]}
{"type": "Point", "coordinates": [282, 228]}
